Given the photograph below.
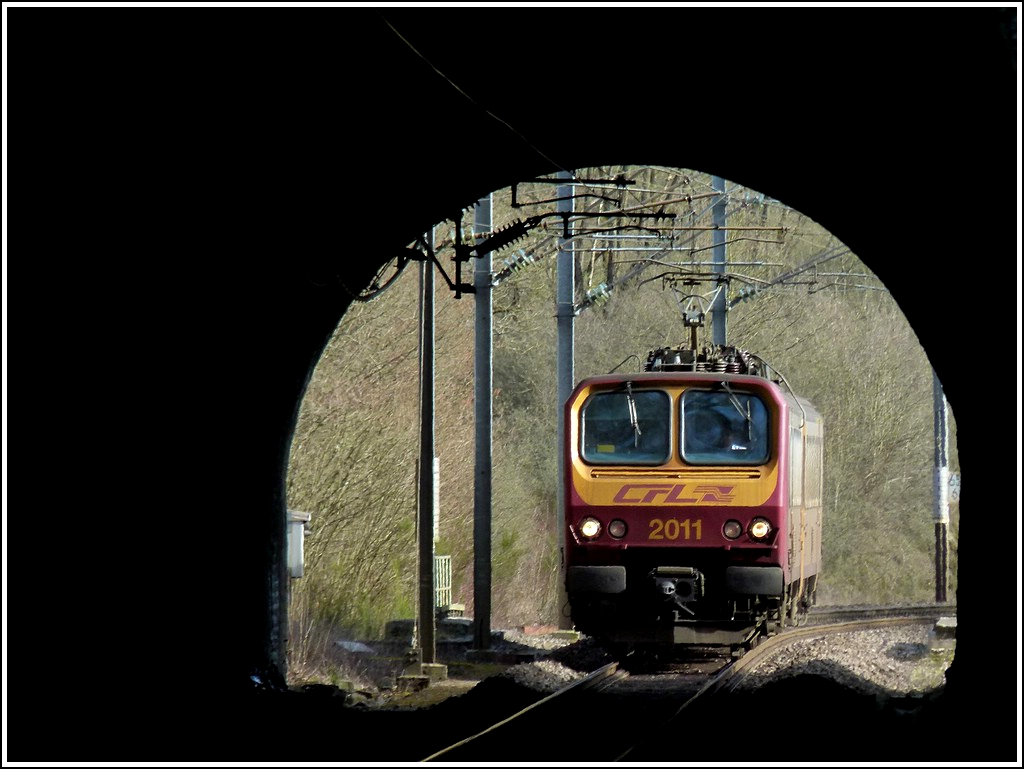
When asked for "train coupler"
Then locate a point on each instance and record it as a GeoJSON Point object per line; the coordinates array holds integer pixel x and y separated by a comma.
{"type": "Point", "coordinates": [679, 585]}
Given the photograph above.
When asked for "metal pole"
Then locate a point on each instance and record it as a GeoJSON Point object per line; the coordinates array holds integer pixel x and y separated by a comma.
{"type": "Point", "coordinates": [941, 514]}
{"type": "Point", "coordinates": [483, 400]}
{"type": "Point", "coordinates": [718, 306]}
{"type": "Point", "coordinates": [425, 508]}
{"type": "Point", "coordinates": [565, 295]}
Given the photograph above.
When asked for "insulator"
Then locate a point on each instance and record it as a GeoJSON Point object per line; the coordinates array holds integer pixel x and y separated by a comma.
{"type": "Point", "coordinates": [598, 293]}
{"type": "Point", "coordinates": [502, 238]}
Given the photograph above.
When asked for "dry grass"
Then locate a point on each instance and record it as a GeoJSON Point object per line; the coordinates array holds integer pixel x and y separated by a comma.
{"type": "Point", "coordinates": [319, 658]}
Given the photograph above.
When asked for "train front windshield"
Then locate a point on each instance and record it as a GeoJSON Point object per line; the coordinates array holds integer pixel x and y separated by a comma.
{"type": "Point", "coordinates": [626, 428]}
{"type": "Point", "coordinates": [724, 427]}
{"type": "Point", "coordinates": [719, 427]}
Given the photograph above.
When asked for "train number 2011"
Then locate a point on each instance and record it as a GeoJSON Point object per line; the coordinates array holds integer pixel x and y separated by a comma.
{"type": "Point", "coordinates": [674, 529]}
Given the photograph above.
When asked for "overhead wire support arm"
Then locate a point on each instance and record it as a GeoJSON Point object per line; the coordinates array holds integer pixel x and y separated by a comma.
{"type": "Point", "coordinates": [727, 228]}
{"type": "Point", "coordinates": [464, 251]}
{"type": "Point", "coordinates": [568, 218]}
{"type": "Point", "coordinates": [786, 279]}
{"type": "Point", "coordinates": [500, 239]}
{"type": "Point", "coordinates": [458, 286]}
{"type": "Point", "coordinates": [591, 233]}
{"type": "Point", "coordinates": [619, 181]}
{"type": "Point", "coordinates": [687, 278]}
{"type": "Point", "coordinates": [519, 228]}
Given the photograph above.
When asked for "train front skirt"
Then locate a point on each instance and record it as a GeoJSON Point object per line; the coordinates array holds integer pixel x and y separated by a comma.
{"type": "Point", "coordinates": [670, 605]}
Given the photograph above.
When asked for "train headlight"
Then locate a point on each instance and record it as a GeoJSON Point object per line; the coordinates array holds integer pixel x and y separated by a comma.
{"type": "Point", "coordinates": [759, 529]}
{"type": "Point", "coordinates": [732, 529]}
{"type": "Point", "coordinates": [590, 527]}
{"type": "Point", "coordinates": [617, 528]}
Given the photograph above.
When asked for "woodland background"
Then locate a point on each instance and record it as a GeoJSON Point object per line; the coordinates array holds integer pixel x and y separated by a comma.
{"type": "Point", "coordinates": [817, 315]}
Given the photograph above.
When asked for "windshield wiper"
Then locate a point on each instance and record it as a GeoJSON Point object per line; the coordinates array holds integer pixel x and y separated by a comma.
{"type": "Point", "coordinates": [739, 407]}
{"type": "Point", "coordinates": [633, 421]}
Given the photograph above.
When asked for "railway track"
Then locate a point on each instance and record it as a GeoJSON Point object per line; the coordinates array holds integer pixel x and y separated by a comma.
{"type": "Point", "coordinates": [732, 676]}
{"type": "Point", "coordinates": [615, 715]}
{"type": "Point", "coordinates": [496, 737]}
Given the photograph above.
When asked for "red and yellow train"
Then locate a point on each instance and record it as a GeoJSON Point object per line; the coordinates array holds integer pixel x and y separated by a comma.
{"type": "Point", "coordinates": [693, 501]}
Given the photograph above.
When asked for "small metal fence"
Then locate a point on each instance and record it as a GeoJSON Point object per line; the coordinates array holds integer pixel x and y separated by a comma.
{"type": "Point", "coordinates": [442, 581]}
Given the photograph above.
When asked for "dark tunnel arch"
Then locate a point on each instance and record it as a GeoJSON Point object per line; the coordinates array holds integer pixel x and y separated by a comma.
{"type": "Point", "coordinates": [274, 201]}
{"type": "Point", "coordinates": [936, 328]}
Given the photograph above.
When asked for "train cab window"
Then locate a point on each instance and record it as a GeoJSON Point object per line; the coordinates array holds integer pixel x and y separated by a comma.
{"type": "Point", "coordinates": [724, 427]}
{"type": "Point", "coordinates": [626, 428]}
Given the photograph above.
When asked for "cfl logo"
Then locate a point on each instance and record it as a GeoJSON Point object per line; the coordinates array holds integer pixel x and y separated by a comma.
{"type": "Point", "coordinates": [672, 494]}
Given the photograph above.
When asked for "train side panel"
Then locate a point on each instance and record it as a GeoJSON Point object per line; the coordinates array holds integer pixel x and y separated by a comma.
{"type": "Point", "coordinates": [806, 479]}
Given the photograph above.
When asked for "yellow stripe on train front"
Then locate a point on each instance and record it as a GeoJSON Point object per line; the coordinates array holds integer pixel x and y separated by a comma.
{"type": "Point", "coordinates": [702, 489]}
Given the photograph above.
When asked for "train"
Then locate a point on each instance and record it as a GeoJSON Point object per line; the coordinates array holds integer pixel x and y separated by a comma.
{"type": "Point", "coordinates": [693, 502]}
